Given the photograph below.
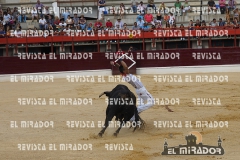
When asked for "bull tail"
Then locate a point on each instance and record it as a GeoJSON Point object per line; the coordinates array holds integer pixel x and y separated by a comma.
{"type": "Point", "coordinates": [107, 93]}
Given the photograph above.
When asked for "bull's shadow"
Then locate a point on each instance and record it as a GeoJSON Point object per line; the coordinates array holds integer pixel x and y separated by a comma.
{"type": "Point", "coordinates": [122, 105]}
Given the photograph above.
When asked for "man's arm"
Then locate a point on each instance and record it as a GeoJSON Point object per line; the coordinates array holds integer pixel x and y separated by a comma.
{"type": "Point", "coordinates": [123, 64]}
{"type": "Point", "coordinates": [114, 64]}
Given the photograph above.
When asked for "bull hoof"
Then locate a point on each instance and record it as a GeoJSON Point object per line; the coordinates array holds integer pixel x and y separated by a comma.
{"type": "Point", "coordinates": [100, 134]}
{"type": "Point", "coordinates": [115, 134]}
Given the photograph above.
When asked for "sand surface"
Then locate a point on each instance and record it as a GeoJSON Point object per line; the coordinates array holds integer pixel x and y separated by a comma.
{"type": "Point", "coordinates": [147, 144]}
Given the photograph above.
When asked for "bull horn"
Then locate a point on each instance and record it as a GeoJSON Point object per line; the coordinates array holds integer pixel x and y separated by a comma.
{"type": "Point", "coordinates": [101, 94]}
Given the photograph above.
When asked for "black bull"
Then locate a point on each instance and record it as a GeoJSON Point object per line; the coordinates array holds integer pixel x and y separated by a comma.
{"type": "Point", "coordinates": [122, 104]}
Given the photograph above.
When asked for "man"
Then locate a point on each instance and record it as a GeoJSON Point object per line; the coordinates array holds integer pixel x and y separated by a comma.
{"type": "Point", "coordinates": [76, 21]}
{"type": "Point", "coordinates": [134, 5]}
{"type": "Point", "coordinates": [22, 15]}
{"type": "Point", "coordinates": [109, 23]}
{"type": "Point", "coordinates": [97, 24]}
{"type": "Point", "coordinates": [221, 22]}
{"type": "Point", "coordinates": [62, 24]}
{"type": "Point", "coordinates": [120, 52]}
{"type": "Point", "coordinates": [171, 19]}
{"type": "Point", "coordinates": [197, 25]}
{"type": "Point", "coordinates": [140, 23]}
{"type": "Point", "coordinates": [119, 22]}
{"type": "Point", "coordinates": [39, 7]}
{"type": "Point", "coordinates": [141, 7]}
{"type": "Point", "coordinates": [190, 25]}
{"type": "Point", "coordinates": [151, 4]}
{"type": "Point", "coordinates": [141, 91]}
{"type": "Point", "coordinates": [141, 15]}
{"type": "Point", "coordinates": [117, 27]}
{"type": "Point", "coordinates": [48, 26]}
{"type": "Point", "coordinates": [145, 27]}
{"type": "Point", "coordinates": [82, 22]}
{"type": "Point", "coordinates": [42, 23]}
{"type": "Point", "coordinates": [135, 26]}
{"type": "Point", "coordinates": [211, 6]}
{"type": "Point", "coordinates": [46, 12]}
{"type": "Point", "coordinates": [101, 4]}
{"type": "Point", "coordinates": [213, 23]}
{"type": "Point", "coordinates": [178, 8]}
{"type": "Point", "coordinates": [34, 14]}
{"type": "Point", "coordinates": [222, 4]}
{"type": "Point", "coordinates": [2, 32]}
{"type": "Point", "coordinates": [186, 7]}
{"type": "Point", "coordinates": [131, 49]}
{"type": "Point", "coordinates": [65, 14]}
{"type": "Point", "coordinates": [15, 13]}
{"type": "Point", "coordinates": [67, 30]}
{"type": "Point", "coordinates": [51, 22]}
{"type": "Point", "coordinates": [149, 18]}
{"type": "Point", "coordinates": [231, 4]}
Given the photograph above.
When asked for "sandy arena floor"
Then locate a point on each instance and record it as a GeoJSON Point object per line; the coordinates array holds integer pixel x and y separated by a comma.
{"type": "Point", "coordinates": [147, 144]}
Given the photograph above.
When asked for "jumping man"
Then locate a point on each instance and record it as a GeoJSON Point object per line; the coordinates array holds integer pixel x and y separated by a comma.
{"type": "Point", "coordinates": [143, 94]}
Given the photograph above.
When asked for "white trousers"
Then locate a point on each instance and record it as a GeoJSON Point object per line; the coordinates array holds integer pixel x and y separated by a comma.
{"type": "Point", "coordinates": [101, 10]}
{"type": "Point", "coordinates": [145, 100]}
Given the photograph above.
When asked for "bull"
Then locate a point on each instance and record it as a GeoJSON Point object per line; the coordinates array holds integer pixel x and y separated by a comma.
{"type": "Point", "coordinates": [122, 105]}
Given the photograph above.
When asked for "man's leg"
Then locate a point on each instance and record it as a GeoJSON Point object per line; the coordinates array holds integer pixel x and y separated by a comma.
{"type": "Point", "coordinates": [143, 96]}
{"type": "Point", "coordinates": [20, 18]}
{"type": "Point", "coordinates": [25, 18]}
{"type": "Point", "coordinates": [134, 9]}
{"type": "Point", "coordinates": [154, 7]}
{"type": "Point", "coordinates": [146, 97]}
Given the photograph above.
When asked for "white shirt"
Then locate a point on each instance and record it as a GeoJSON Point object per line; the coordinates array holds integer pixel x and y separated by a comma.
{"type": "Point", "coordinates": [171, 18]}
{"type": "Point", "coordinates": [141, 7]}
{"type": "Point", "coordinates": [17, 33]}
{"type": "Point", "coordinates": [63, 24]}
{"type": "Point", "coordinates": [46, 11]}
{"type": "Point", "coordinates": [6, 17]}
{"type": "Point", "coordinates": [134, 2]}
{"type": "Point", "coordinates": [119, 23]}
{"type": "Point", "coordinates": [67, 31]}
{"type": "Point", "coordinates": [34, 12]}
{"type": "Point", "coordinates": [133, 80]}
{"type": "Point", "coordinates": [42, 21]}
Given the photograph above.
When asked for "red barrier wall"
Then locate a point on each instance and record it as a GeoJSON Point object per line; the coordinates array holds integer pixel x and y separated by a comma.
{"type": "Point", "coordinates": [14, 65]}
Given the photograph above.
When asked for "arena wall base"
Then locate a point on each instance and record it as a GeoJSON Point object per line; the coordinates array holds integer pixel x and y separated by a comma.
{"type": "Point", "coordinates": [139, 71]}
